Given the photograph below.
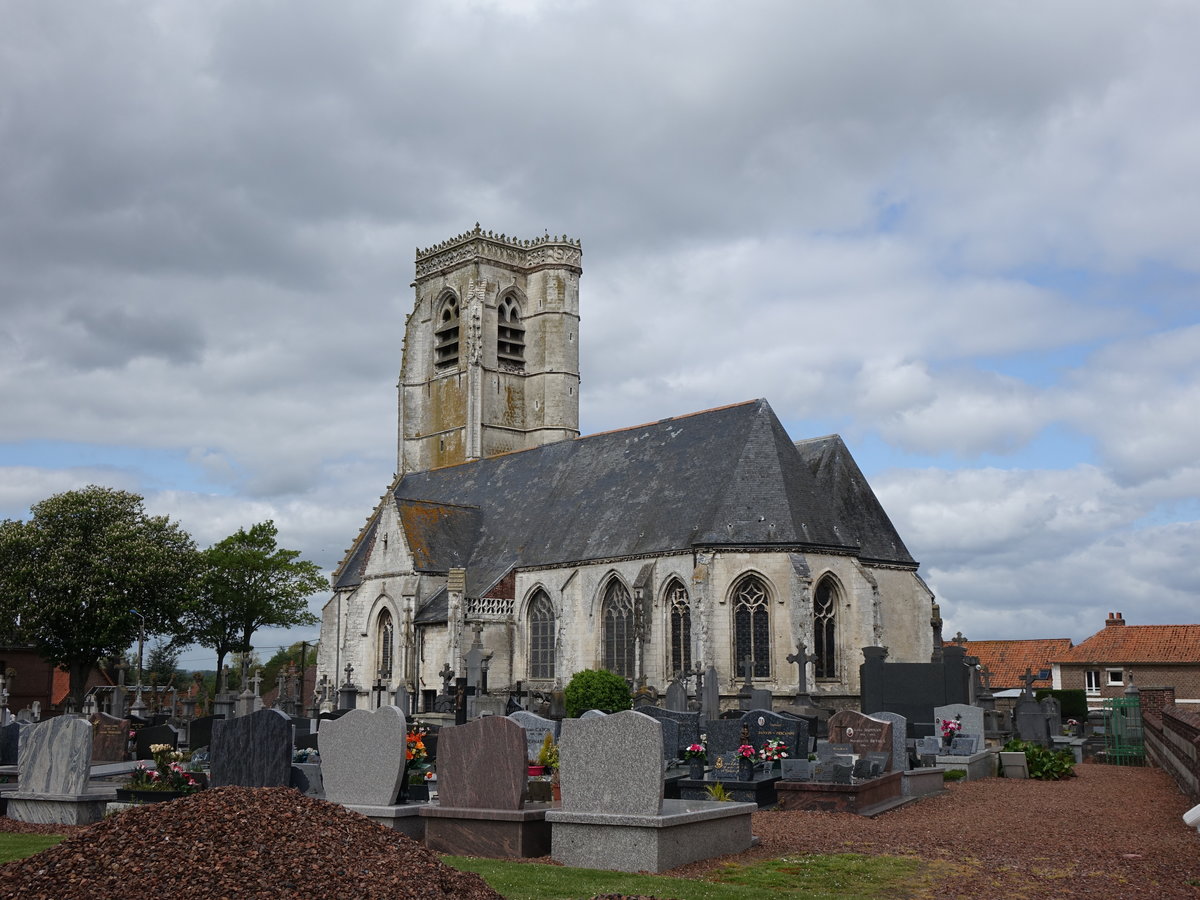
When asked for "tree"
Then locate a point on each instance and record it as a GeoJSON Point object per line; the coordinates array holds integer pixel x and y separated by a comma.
{"type": "Point", "coordinates": [249, 583]}
{"type": "Point", "coordinates": [76, 571]}
{"type": "Point", "coordinates": [162, 662]}
{"type": "Point", "coordinates": [596, 689]}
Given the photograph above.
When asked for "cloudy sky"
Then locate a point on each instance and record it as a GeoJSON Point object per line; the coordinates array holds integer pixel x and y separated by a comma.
{"type": "Point", "coordinates": [963, 236]}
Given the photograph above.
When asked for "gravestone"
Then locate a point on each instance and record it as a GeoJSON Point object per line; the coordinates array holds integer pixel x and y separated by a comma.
{"type": "Point", "coordinates": [970, 717]}
{"type": "Point", "coordinates": [1052, 710]}
{"type": "Point", "coordinates": [1031, 721]}
{"type": "Point", "coordinates": [55, 757]}
{"type": "Point", "coordinates": [964, 745]}
{"type": "Point", "coordinates": [676, 696]}
{"type": "Point", "coordinates": [483, 764]}
{"type": "Point", "coordinates": [110, 737]}
{"type": "Point", "coordinates": [710, 696]}
{"type": "Point", "coordinates": [863, 768]}
{"type": "Point", "coordinates": [536, 729]}
{"type": "Point", "coordinates": [929, 746]}
{"type": "Point", "coordinates": [726, 766]}
{"type": "Point", "coordinates": [254, 750]}
{"type": "Point", "coordinates": [599, 774]}
{"type": "Point", "coordinates": [764, 725]}
{"type": "Point", "coordinates": [686, 729]}
{"type": "Point", "coordinates": [724, 735]}
{"type": "Point", "coordinates": [362, 762]}
{"type": "Point", "coordinates": [842, 773]}
{"type": "Point", "coordinates": [796, 769]}
{"type": "Point", "coordinates": [154, 734]}
{"type": "Point", "coordinates": [593, 714]}
{"type": "Point", "coordinates": [10, 742]}
{"type": "Point", "coordinates": [899, 739]}
{"type": "Point", "coordinates": [863, 733]}
{"type": "Point", "coordinates": [760, 698]}
{"type": "Point", "coordinates": [200, 731]}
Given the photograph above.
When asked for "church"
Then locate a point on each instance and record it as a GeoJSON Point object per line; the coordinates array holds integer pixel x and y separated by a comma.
{"type": "Point", "coordinates": [709, 539]}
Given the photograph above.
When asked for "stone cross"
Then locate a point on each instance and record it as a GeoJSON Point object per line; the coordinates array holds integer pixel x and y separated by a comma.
{"type": "Point", "coordinates": [1028, 679]}
{"type": "Point", "coordinates": [748, 667]}
{"type": "Point", "coordinates": [223, 684]}
{"type": "Point", "coordinates": [349, 670]}
{"type": "Point", "coordinates": [985, 675]}
{"type": "Point", "coordinates": [257, 681]}
{"type": "Point", "coordinates": [958, 640]}
{"type": "Point", "coordinates": [447, 676]}
{"type": "Point", "coordinates": [800, 658]}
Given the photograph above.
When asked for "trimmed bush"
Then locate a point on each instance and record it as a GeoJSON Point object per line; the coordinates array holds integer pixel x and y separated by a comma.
{"type": "Point", "coordinates": [1044, 764]}
{"type": "Point", "coordinates": [596, 689]}
{"type": "Point", "coordinates": [1073, 703]}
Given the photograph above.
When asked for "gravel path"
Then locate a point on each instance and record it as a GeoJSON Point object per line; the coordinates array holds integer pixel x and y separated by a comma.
{"type": "Point", "coordinates": [1111, 833]}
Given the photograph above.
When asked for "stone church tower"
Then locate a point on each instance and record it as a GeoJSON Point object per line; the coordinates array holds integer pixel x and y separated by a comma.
{"type": "Point", "coordinates": [491, 350]}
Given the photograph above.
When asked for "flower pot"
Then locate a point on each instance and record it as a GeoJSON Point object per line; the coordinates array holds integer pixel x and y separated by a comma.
{"type": "Point", "coordinates": [537, 770]}
{"type": "Point", "coordinates": [696, 769]}
{"type": "Point", "coordinates": [745, 769]}
{"type": "Point", "coordinates": [540, 792]}
{"type": "Point", "coordinates": [418, 793]}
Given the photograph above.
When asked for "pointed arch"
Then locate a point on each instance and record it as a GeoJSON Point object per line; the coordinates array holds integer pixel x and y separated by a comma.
{"type": "Point", "coordinates": [541, 625]}
{"type": "Point", "coordinates": [617, 629]}
{"type": "Point", "coordinates": [679, 619]}
{"type": "Point", "coordinates": [446, 331]}
{"type": "Point", "coordinates": [510, 331]}
{"type": "Point", "coordinates": [752, 625]}
{"type": "Point", "coordinates": [385, 644]}
{"type": "Point", "coordinates": [826, 598]}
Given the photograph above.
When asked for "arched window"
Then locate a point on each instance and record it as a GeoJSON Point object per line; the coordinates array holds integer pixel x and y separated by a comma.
{"type": "Point", "coordinates": [510, 333]}
{"type": "Point", "coordinates": [385, 634]}
{"type": "Point", "coordinates": [681, 627]}
{"type": "Point", "coordinates": [541, 636]}
{"type": "Point", "coordinates": [825, 602]}
{"type": "Point", "coordinates": [616, 614]}
{"type": "Point", "coordinates": [445, 334]}
{"type": "Point", "coordinates": [752, 627]}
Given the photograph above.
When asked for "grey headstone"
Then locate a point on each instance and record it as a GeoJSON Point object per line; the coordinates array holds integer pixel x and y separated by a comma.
{"type": "Point", "coordinates": [760, 699]}
{"type": "Point", "coordinates": [10, 742]}
{"type": "Point", "coordinates": [796, 769]}
{"type": "Point", "coordinates": [842, 773]}
{"type": "Point", "coordinates": [598, 772]}
{"type": "Point", "coordinates": [483, 764]}
{"type": "Point", "coordinates": [593, 713]}
{"type": "Point", "coordinates": [536, 729]}
{"type": "Point", "coordinates": [899, 738]}
{"type": "Point", "coordinates": [964, 745]}
{"type": "Point", "coordinates": [724, 735]}
{"type": "Point", "coordinates": [971, 718]}
{"type": "Point", "coordinates": [151, 735]}
{"type": "Point", "coordinates": [764, 725]}
{"type": "Point", "coordinates": [1052, 710]}
{"type": "Point", "coordinates": [929, 746]}
{"type": "Point", "coordinates": [1031, 722]}
{"type": "Point", "coordinates": [687, 723]}
{"type": "Point", "coordinates": [55, 757]}
{"type": "Point", "coordinates": [862, 768]}
{"type": "Point", "coordinates": [362, 756]}
{"type": "Point", "coordinates": [254, 750]}
{"type": "Point", "coordinates": [726, 767]}
{"type": "Point", "coordinates": [200, 731]}
{"type": "Point", "coordinates": [710, 696]}
{"type": "Point", "coordinates": [676, 696]}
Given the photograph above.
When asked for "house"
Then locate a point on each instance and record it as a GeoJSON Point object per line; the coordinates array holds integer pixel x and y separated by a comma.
{"type": "Point", "coordinates": [1007, 661]}
{"type": "Point", "coordinates": [709, 539]}
{"type": "Point", "coordinates": [1106, 663]}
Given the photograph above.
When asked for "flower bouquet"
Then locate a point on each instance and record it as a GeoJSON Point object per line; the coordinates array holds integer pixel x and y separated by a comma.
{"type": "Point", "coordinates": [695, 753]}
{"type": "Point", "coordinates": [773, 751]}
{"type": "Point", "coordinates": [167, 775]}
{"type": "Point", "coordinates": [746, 756]}
{"type": "Point", "coordinates": [950, 727]}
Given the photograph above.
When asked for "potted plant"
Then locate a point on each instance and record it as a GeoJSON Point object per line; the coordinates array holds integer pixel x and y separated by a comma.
{"type": "Point", "coordinates": [746, 755]}
{"type": "Point", "coordinates": [166, 780]}
{"type": "Point", "coordinates": [415, 756]}
{"type": "Point", "coordinates": [696, 756]}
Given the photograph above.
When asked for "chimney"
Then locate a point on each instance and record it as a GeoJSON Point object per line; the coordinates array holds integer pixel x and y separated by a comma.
{"type": "Point", "coordinates": [1113, 619]}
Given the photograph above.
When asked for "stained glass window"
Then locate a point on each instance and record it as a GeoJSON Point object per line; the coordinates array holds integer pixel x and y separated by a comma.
{"type": "Point", "coordinates": [752, 627]}
{"type": "Point", "coordinates": [541, 636]}
{"type": "Point", "coordinates": [825, 629]}
{"type": "Point", "coordinates": [681, 628]}
{"type": "Point", "coordinates": [617, 617]}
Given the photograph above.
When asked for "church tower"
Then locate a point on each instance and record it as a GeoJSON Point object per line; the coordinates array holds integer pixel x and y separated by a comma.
{"type": "Point", "coordinates": [491, 349]}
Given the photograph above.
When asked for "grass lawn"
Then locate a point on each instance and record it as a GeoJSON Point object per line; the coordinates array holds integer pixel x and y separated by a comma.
{"type": "Point", "coordinates": [842, 876]}
{"type": "Point", "coordinates": [18, 846]}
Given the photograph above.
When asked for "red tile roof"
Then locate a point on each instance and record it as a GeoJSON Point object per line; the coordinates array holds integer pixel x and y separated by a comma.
{"type": "Point", "coordinates": [1007, 660]}
{"type": "Point", "coordinates": [1166, 644]}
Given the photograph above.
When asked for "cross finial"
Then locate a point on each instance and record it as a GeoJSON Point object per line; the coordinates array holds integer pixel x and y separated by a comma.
{"type": "Point", "coordinates": [959, 640]}
{"type": "Point", "coordinates": [349, 670]}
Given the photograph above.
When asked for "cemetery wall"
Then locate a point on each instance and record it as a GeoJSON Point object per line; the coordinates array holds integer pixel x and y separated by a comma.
{"type": "Point", "coordinates": [1173, 743]}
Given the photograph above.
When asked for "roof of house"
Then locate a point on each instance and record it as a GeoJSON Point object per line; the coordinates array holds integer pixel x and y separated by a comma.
{"type": "Point", "coordinates": [1006, 661]}
{"type": "Point", "coordinates": [724, 477]}
{"type": "Point", "coordinates": [1140, 644]}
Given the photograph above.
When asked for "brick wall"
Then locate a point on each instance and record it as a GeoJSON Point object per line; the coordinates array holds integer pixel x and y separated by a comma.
{"type": "Point", "coordinates": [1173, 742]}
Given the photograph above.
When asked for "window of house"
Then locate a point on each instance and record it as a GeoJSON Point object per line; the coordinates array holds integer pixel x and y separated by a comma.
{"type": "Point", "coordinates": [681, 628]}
{"type": "Point", "coordinates": [385, 634]}
{"type": "Point", "coordinates": [1092, 681]}
{"type": "Point", "coordinates": [510, 333]}
{"type": "Point", "coordinates": [616, 615]}
{"type": "Point", "coordinates": [541, 636]}
{"type": "Point", "coordinates": [1116, 676]}
{"type": "Point", "coordinates": [825, 629]}
{"type": "Point", "coordinates": [445, 334]}
{"type": "Point", "coordinates": [752, 627]}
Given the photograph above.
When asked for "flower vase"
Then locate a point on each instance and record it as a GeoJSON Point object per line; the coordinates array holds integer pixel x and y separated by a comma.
{"type": "Point", "coordinates": [418, 793]}
{"type": "Point", "coordinates": [745, 769]}
{"type": "Point", "coordinates": [696, 769]}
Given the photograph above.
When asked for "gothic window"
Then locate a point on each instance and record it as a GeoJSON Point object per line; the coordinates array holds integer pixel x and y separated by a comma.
{"type": "Point", "coordinates": [681, 627]}
{"type": "Point", "coordinates": [825, 629]}
{"type": "Point", "coordinates": [752, 627]}
{"type": "Point", "coordinates": [541, 636]}
{"type": "Point", "coordinates": [385, 635]}
{"type": "Point", "coordinates": [445, 334]}
{"type": "Point", "coordinates": [510, 333]}
{"type": "Point", "coordinates": [616, 614]}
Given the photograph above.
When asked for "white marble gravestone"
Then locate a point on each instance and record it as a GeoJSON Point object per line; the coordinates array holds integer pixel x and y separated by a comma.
{"type": "Point", "coordinates": [363, 756]}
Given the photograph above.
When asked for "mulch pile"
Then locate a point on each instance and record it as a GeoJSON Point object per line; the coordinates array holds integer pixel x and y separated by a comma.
{"type": "Point", "coordinates": [236, 842]}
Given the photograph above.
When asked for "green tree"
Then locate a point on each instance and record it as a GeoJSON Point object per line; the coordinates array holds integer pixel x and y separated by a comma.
{"type": "Point", "coordinates": [596, 689]}
{"type": "Point", "coordinates": [162, 660]}
{"type": "Point", "coordinates": [289, 655]}
{"type": "Point", "coordinates": [78, 568]}
{"type": "Point", "coordinates": [249, 583]}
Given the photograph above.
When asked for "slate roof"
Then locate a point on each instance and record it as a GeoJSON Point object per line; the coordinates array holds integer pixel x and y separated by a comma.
{"type": "Point", "coordinates": [1007, 660]}
{"type": "Point", "coordinates": [1138, 644]}
{"type": "Point", "coordinates": [725, 477]}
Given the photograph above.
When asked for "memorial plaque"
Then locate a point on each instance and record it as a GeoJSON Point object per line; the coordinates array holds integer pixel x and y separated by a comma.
{"type": "Point", "coordinates": [863, 733]}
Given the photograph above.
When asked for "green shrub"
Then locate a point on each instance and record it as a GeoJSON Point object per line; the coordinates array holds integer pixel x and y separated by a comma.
{"type": "Point", "coordinates": [954, 775]}
{"type": "Point", "coordinates": [596, 689]}
{"type": "Point", "coordinates": [1044, 763]}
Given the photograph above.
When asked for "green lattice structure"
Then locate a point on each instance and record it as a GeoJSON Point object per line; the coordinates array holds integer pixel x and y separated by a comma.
{"type": "Point", "coordinates": [1124, 744]}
